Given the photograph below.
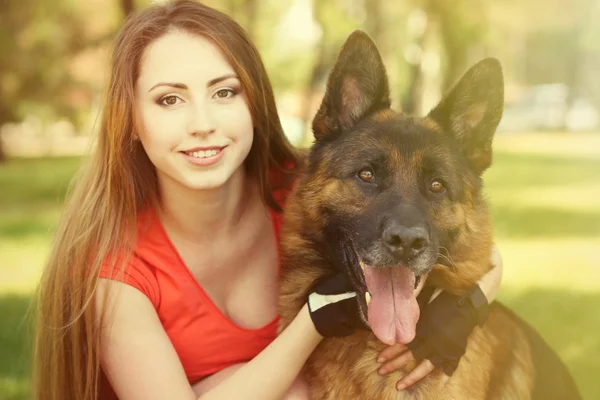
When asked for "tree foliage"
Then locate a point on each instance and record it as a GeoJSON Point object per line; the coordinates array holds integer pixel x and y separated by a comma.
{"type": "Point", "coordinates": [538, 42]}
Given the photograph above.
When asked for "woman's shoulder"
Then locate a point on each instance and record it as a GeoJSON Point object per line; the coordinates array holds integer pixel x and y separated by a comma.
{"type": "Point", "coordinates": [137, 266]}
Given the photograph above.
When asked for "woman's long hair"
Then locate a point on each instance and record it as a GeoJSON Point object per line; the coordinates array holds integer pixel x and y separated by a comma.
{"type": "Point", "coordinates": [118, 181]}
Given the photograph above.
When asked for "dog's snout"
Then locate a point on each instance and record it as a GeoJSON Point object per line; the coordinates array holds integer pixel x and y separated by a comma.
{"type": "Point", "coordinates": [406, 242]}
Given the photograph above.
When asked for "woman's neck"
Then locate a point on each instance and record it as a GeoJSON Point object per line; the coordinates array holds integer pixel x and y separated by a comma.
{"type": "Point", "coordinates": [198, 215]}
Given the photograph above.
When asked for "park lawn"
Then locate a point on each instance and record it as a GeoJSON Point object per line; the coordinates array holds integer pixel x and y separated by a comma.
{"type": "Point", "coordinates": [543, 192]}
{"type": "Point", "coordinates": [31, 197]}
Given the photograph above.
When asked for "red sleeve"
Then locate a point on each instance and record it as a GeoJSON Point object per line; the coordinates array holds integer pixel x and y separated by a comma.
{"type": "Point", "coordinates": [281, 196]}
{"type": "Point", "coordinates": [283, 184]}
{"type": "Point", "coordinates": [136, 273]}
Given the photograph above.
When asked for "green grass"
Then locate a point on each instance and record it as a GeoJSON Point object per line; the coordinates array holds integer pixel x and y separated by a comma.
{"type": "Point", "coordinates": [543, 192]}
{"type": "Point", "coordinates": [15, 339]}
{"type": "Point", "coordinates": [30, 201]}
{"type": "Point", "coordinates": [32, 194]}
{"type": "Point", "coordinates": [539, 196]}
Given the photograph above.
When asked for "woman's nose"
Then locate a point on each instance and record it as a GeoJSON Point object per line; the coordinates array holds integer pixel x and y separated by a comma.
{"type": "Point", "coordinates": [201, 122]}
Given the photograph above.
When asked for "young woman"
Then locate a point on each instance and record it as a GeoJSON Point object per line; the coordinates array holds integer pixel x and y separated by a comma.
{"type": "Point", "coordinates": [162, 282]}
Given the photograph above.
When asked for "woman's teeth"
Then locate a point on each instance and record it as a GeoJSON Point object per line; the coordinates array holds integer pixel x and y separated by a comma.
{"type": "Point", "coordinates": [203, 153]}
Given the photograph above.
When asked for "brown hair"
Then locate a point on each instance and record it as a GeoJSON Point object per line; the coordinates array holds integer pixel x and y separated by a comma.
{"type": "Point", "coordinates": [119, 180]}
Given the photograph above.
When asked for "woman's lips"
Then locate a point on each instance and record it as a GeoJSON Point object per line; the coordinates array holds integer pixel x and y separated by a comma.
{"type": "Point", "coordinates": [204, 156]}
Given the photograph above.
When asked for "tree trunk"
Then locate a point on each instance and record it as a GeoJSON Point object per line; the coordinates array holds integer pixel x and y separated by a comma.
{"type": "Point", "coordinates": [251, 7]}
{"type": "Point", "coordinates": [374, 24]}
{"type": "Point", "coordinates": [127, 6]}
{"type": "Point", "coordinates": [317, 73]}
{"type": "Point", "coordinates": [412, 100]}
{"type": "Point", "coordinates": [325, 55]}
{"type": "Point", "coordinates": [458, 34]}
{"type": "Point", "coordinates": [379, 21]}
{"type": "Point", "coordinates": [413, 97]}
{"type": "Point", "coordinates": [2, 152]}
{"type": "Point", "coordinates": [455, 49]}
{"type": "Point", "coordinates": [4, 118]}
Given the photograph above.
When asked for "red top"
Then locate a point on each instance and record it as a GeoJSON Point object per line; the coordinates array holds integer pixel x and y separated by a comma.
{"type": "Point", "coordinates": [206, 340]}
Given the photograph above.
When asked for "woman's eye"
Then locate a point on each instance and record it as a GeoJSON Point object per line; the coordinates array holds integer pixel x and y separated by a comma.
{"type": "Point", "coordinates": [170, 100]}
{"type": "Point", "coordinates": [224, 93]}
{"type": "Point", "coordinates": [437, 186]}
{"type": "Point", "coordinates": [366, 175]}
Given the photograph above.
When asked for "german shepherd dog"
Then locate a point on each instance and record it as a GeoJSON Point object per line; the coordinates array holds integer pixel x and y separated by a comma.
{"type": "Point", "coordinates": [373, 175]}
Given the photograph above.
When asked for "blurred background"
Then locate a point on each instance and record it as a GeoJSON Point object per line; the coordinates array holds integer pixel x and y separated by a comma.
{"type": "Point", "coordinates": [543, 188]}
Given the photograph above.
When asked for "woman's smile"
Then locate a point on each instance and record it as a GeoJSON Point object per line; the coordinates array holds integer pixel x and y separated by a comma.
{"type": "Point", "coordinates": [204, 156]}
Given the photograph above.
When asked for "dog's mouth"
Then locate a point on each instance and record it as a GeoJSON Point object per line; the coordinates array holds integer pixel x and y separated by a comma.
{"type": "Point", "coordinates": [387, 299]}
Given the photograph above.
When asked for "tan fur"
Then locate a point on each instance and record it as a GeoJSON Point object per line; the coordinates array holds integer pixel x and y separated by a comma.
{"type": "Point", "coordinates": [431, 125]}
{"type": "Point", "coordinates": [385, 115]}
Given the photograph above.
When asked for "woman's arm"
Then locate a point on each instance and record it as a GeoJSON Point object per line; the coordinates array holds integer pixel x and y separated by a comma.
{"type": "Point", "coordinates": [271, 373]}
{"type": "Point", "coordinates": [141, 363]}
{"type": "Point", "coordinates": [298, 391]}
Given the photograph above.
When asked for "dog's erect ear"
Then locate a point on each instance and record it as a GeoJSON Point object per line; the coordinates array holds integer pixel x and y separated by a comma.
{"type": "Point", "coordinates": [357, 86]}
{"type": "Point", "coordinates": [472, 109]}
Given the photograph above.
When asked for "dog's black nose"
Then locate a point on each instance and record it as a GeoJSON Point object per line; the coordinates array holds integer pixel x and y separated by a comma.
{"type": "Point", "coordinates": [406, 242]}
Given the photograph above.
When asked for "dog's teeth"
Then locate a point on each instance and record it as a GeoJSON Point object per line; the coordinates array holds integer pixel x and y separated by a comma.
{"type": "Point", "coordinates": [367, 297]}
{"type": "Point", "coordinates": [362, 265]}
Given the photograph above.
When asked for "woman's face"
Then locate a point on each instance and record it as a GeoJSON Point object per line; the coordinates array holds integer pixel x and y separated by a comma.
{"type": "Point", "coordinates": [194, 121]}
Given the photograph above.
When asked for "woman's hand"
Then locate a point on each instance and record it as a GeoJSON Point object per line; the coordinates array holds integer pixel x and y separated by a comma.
{"type": "Point", "coordinates": [442, 331]}
{"type": "Point", "coordinates": [333, 306]}
{"type": "Point", "coordinates": [441, 339]}
{"type": "Point", "coordinates": [397, 356]}
{"type": "Point", "coordinates": [332, 301]}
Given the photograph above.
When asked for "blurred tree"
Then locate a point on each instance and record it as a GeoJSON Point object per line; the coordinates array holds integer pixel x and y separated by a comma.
{"type": "Point", "coordinates": [461, 25]}
{"type": "Point", "coordinates": [47, 44]}
{"type": "Point", "coordinates": [375, 23]}
{"type": "Point", "coordinates": [33, 69]}
{"type": "Point", "coordinates": [251, 10]}
{"type": "Point", "coordinates": [384, 22]}
{"type": "Point", "coordinates": [551, 42]}
{"type": "Point", "coordinates": [324, 57]}
{"type": "Point", "coordinates": [50, 65]}
{"type": "Point", "coordinates": [244, 12]}
{"type": "Point", "coordinates": [337, 19]}
{"type": "Point", "coordinates": [127, 6]}
{"type": "Point", "coordinates": [418, 31]}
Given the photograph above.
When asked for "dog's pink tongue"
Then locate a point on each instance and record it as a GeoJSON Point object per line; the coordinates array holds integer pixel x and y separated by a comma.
{"type": "Point", "coordinates": [393, 310]}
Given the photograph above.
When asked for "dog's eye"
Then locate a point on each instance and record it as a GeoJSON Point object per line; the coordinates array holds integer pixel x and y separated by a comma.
{"type": "Point", "coordinates": [366, 174]}
{"type": "Point", "coordinates": [437, 186]}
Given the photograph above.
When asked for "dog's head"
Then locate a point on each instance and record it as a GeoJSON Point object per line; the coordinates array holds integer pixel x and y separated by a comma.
{"type": "Point", "coordinates": [395, 190]}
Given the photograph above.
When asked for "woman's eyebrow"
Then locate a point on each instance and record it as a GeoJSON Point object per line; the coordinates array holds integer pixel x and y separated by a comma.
{"type": "Point", "coordinates": [171, 84]}
{"type": "Point", "coordinates": [221, 78]}
{"type": "Point", "coordinates": [184, 87]}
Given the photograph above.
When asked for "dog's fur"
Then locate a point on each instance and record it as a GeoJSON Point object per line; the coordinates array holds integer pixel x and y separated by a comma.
{"type": "Point", "coordinates": [355, 129]}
